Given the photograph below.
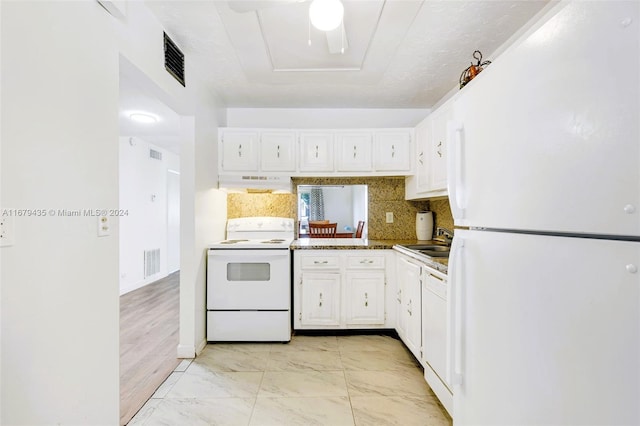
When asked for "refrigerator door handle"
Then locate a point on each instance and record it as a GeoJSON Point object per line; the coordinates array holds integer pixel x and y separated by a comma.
{"type": "Point", "coordinates": [456, 317]}
{"type": "Point", "coordinates": [455, 180]}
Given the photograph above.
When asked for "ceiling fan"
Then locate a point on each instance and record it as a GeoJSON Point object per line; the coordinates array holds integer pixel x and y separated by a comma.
{"type": "Point", "coordinates": [325, 15]}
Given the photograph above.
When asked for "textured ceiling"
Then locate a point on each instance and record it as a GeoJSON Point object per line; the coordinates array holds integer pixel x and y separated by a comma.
{"type": "Point", "coordinates": [408, 55]}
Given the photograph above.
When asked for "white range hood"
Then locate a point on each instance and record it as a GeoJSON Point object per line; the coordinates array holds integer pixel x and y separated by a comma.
{"type": "Point", "coordinates": [245, 183]}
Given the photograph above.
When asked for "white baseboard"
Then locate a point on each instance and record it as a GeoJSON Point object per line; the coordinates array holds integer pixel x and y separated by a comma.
{"type": "Point", "coordinates": [186, 351]}
{"type": "Point", "coordinates": [201, 346]}
{"type": "Point", "coordinates": [134, 286]}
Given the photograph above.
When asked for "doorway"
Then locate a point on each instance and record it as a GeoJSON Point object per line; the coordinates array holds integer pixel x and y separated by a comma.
{"type": "Point", "coordinates": [149, 238]}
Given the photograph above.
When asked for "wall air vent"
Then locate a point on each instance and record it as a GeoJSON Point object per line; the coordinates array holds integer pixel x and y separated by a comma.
{"type": "Point", "coordinates": [151, 262]}
{"type": "Point", "coordinates": [173, 59]}
{"type": "Point", "coordinates": [155, 154]}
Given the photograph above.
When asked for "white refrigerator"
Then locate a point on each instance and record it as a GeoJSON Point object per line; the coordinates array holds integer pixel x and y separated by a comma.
{"type": "Point", "coordinates": [544, 185]}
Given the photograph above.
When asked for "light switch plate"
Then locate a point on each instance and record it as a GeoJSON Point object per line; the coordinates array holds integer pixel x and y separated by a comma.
{"type": "Point", "coordinates": [389, 217]}
{"type": "Point", "coordinates": [7, 234]}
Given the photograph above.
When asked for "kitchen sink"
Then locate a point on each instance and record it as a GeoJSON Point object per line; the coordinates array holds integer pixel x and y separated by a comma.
{"type": "Point", "coordinates": [431, 250]}
{"type": "Point", "coordinates": [435, 253]}
{"type": "Point", "coordinates": [428, 247]}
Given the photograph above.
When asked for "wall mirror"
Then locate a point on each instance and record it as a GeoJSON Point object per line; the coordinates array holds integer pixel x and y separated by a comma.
{"type": "Point", "coordinates": [345, 205]}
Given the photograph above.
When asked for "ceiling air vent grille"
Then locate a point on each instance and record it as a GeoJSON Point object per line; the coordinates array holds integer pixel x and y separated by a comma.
{"type": "Point", "coordinates": [173, 59]}
{"type": "Point", "coordinates": [155, 154]}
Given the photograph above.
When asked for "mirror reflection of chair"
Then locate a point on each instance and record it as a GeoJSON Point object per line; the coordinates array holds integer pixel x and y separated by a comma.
{"type": "Point", "coordinates": [359, 229]}
{"type": "Point", "coordinates": [322, 230]}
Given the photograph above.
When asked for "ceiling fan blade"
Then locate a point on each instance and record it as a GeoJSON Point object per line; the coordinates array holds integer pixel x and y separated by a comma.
{"type": "Point", "coordinates": [242, 6]}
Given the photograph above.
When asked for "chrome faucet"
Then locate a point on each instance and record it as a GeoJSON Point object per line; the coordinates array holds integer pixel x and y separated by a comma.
{"type": "Point", "coordinates": [444, 235]}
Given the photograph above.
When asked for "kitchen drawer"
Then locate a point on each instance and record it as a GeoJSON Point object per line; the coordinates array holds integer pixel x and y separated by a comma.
{"type": "Point", "coordinates": [365, 262]}
{"type": "Point", "coordinates": [437, 285]}
{"type": "Point", "coordinates": [320, 262]}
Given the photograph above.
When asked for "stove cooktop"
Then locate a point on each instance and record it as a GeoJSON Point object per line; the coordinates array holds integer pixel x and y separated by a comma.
{"type": "Point", "coordinates": [257, 233]}
{"type": "Point", "coordinates": [270, 243]}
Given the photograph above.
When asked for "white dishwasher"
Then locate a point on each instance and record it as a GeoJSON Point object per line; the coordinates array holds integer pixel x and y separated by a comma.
{"type": "Point", "coordinates": [435, 341]}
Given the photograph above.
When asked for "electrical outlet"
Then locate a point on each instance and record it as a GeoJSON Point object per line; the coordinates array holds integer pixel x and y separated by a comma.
{"type": "Point", "coordinates": [389, 217]}
{"type": "Point", "coordinates": [6, 231]}
{"type": "Point", "coordinates": [104, 226]}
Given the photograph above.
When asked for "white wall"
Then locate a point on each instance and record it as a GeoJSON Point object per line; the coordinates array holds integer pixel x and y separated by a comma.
{"type": "Point", "coordinates": [59, 358]}
{"type": "Point", "coordinates": [173, 221]}
{"type": "Point", "coordinates": [360, 207]}
{"type": "Point", "coordinates": [324, 117]}
{"type": "Point", "coordinates": [338, 205]}
{"type": "Point", "coordinates": [145, 200]}
{"type": "Point", "coordinates": [59, 337]}
{"type": "Point", "coordinates": [208, 207]}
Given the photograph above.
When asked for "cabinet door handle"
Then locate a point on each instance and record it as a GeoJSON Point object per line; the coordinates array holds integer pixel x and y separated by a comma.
{"type": "Point", "coordinates": [366, 299]}
{"type": "Point", "coordinates": [320, 300]}
{"type": "Point", "coordinates": [320, 262]}
{"type": "Point", "coordinates": [278, 151]}
{"type": "Point", "coordinates": [409, 309]}
{"type": "Point", "coordinates": [316, 151]}
{"type": "Point", "coordinates": [393, 151]}
{"type": "Point", "coordinates": [240, 150]}
{"type": "Point", "coordinates": [440, 149]}
{"type": "Point", "coordinates": [420, 158]}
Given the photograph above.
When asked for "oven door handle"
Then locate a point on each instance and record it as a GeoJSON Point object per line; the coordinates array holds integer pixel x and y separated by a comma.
{"type": "Point", "coordinates": [251, 255]}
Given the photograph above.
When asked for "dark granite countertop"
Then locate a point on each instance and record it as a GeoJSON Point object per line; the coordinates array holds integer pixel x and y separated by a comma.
{"type": "Point", "coordinates": [437, 263]}
{"type": "Point", "coordinates": [347, 244]}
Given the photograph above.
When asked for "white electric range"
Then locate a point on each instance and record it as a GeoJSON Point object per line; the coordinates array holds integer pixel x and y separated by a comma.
{"type": "Point", "coordinates": [249, 281]}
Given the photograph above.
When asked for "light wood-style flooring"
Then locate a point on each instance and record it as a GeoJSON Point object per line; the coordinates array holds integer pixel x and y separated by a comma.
{"type": "Point", "coordinates": [149, 325]}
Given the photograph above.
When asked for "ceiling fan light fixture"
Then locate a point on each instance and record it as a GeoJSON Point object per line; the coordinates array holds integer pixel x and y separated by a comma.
{"type": "Point", "coordinates": [326, 15]}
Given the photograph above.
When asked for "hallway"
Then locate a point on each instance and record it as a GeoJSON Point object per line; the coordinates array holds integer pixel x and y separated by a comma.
{"type": "Point", "coordinates": [149, 326]}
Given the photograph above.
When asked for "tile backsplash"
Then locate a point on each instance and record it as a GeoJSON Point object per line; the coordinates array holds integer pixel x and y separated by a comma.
{"type": "Point", "coordinates": [442, 216]}
{"type": "Point", "coordinates": [386, 194]}
{"type": "Point", "coordinates": [261, 204]}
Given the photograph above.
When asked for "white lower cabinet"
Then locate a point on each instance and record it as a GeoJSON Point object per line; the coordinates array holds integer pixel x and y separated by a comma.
{"type": "Point", "coordinates": [338, 289]}
{"type": "Point", "coordinates": [422, 321]}
{"type": "Point", "coordinates": [365, 296]}
{"type": "Point", "coordinates": [409, 312]}
{"type": "Point", "coordinates": [320, 293]}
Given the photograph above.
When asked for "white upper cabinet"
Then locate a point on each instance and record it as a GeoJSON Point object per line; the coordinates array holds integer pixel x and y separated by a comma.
{"type": "Point", "coordinates": [437, 156]}
{"type": "Point", "coordinates": [278, 151]}
{"type": "Point", "coordinates": [430, 179]}
{"type": "Point", "coordinates": [353, 151]}
{"type": "Point", "coordinates": [316, 151]}
{"type": "Point", "coordinates": [393, 151]}
{"type": "Point", "coordinates": [423, 136]}
{"type": "Point", "coordinates": [239, 151]}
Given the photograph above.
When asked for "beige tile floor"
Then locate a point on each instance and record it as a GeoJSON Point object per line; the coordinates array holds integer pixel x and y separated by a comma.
{"type": "Point", "coordinates": [313, 380]}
